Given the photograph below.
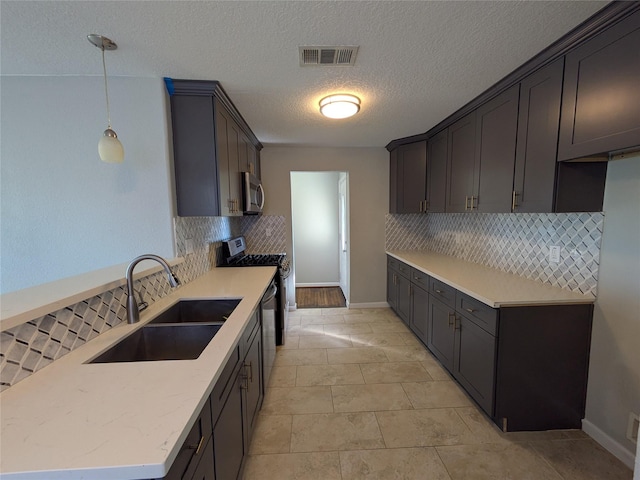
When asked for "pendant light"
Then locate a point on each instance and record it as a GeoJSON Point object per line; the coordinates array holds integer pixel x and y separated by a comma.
{"type": "Point", "coordinates": [339, 106]}
{"type": "Point", "coordinates": [109, 147]}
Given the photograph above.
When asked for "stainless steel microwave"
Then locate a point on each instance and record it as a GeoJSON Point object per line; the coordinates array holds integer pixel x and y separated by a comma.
{"type": "Point", "coordinates": [252, 194]}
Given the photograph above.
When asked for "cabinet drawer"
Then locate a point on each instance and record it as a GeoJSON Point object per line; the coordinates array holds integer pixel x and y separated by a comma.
{"type": "Point", "coordinates": [194, 446]}
{"type": "Point", "coordinates": [224, 383]}
{"type": "Point", "coordinates": [420, 278]}
{"type": "Point", "coordinates": [404, 270]}
{"type": "Point", "coordinates": [252, 329]}
{"type": "Point", "coordinates": [392, 263]}
{"type": "Point", "coordinates": [442, 292]}
{"type": "Point", "coordinates": [483, 315]}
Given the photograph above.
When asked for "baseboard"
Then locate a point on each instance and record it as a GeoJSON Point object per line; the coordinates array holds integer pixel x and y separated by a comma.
{"type": "Point", "coordinates": [609, 444]}
{"type": "Point", "coordinates": [293, 307]}
{"type": "Point", "coordinates": [321, 284]}
{"type": "Point", "coordinates": [369, 305]}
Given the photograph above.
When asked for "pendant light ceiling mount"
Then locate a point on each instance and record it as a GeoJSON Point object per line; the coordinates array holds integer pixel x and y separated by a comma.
{"type": "Point", "coordinates": [109, 147]}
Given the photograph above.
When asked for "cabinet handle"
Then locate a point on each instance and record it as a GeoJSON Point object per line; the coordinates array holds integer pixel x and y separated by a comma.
{"type": "Point", "coordinates": [426, 206]}
{"type": "Point", "coordinates": [470, 310]}
{"type": "Point", "coordinates": [250, 376]}
{"type": "Point", "coordinates": [474, 198]}
{"type": "Point", "coordinates": [439, 291]}
{"type": "Point", "coordinates": [452, 319]}
{"type": "Point", "coordinates": [409, 289]}
{"type": "Point", "coordinates": [197, 447]}
{"type": "Point", "coordinates": [514, 200]}
{"type": "Point", "coordinates": [466, 203]}
{"type": "Point", "coordinates": [456, 324]}
{"type": "Point", "coordinates": [420, 206]}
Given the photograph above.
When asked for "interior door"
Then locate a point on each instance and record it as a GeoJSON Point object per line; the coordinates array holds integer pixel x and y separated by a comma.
{"type": "Point", "coordinates": [343, 230]}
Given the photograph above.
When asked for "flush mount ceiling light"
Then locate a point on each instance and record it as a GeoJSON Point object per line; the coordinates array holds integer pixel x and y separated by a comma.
{"type": "Point", "coordinates": [339, 106]}
{"type": "Point", "coordinates": [109, 147]}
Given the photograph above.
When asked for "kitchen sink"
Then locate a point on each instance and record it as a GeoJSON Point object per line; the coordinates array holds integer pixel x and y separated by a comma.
{"type": "Point", "coordinates": [161, 342]}
{"type": "Point", "coordinates": [198, 311]}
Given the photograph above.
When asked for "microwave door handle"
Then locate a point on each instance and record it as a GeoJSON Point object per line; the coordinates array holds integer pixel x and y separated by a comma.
{"type": "Point", "coordinates": [260, 187]}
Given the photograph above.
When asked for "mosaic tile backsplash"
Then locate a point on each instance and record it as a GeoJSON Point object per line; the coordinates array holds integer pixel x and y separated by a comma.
{"type": "Point", "coordinates": [29, 347]}
{"type": "Point", "coordinates": [515, 242]}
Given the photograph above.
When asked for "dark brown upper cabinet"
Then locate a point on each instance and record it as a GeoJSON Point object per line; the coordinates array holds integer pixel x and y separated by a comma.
{"type": "Point", "coordinates": [437, 153]}
{"type": "Point", "coordinates": [495, 152]}
{"type": "Point", "coordinates": [601, 99]}
{"type": "Point", "coordinates": [211, 144]}
{"type": "Point", "coordinates": [538, 123]}
{"type": "Point", "coordinates": [460, 164]}
{"type": "Point", "coordinates": [408, 178]}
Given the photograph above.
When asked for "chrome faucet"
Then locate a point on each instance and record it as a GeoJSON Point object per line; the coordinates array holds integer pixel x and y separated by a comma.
{"type": "Point", "coordinates": [133, 313]}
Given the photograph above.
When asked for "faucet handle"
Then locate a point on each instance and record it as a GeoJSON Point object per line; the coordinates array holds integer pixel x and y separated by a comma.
{"type": "Point", "coordinates": [173, 280]}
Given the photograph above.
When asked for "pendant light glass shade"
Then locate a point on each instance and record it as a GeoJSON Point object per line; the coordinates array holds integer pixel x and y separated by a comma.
{"type": "Point", "coordinates": [339, 106]}
{"type": "Point", "coordinates": [109, 147]}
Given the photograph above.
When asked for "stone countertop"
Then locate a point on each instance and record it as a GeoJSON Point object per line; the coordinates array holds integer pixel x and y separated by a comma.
{"type": "Point", "coordinates": [488, 285]}
{"type": "Point", "coordinates": [73, 420]}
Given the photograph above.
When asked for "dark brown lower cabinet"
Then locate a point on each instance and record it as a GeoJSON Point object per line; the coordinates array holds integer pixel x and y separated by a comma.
{"type": "Point", "coordinates": [228, 434]}
{"type": "Point", "coordinates": [404, 298]}
{"type": "Point", "coordinates": [205, 469]}
{"type": "Point", "coordinates": [441, 335]}
{"type": "Point", "coordinates": [419, 312]}
{"type": "Point", "coordinates": [253, 387]}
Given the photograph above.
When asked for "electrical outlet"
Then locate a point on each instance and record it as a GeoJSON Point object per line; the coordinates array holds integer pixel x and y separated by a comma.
{"type": "Point", "coordinates": [632, 428]}
{"type": "Point", "coordinates": [188, 246]}
{"type": "Point", "coordinates": [554, 254]}
{"type": "Point", "coordinates": [268, 232]}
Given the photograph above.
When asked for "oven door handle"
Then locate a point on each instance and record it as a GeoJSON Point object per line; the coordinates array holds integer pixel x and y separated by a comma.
{"type": "Point", "coordinates": [270, 294]}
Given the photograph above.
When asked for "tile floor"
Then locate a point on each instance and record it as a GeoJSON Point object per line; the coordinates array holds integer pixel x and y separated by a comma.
{"type": "Point", "coordinates": [354, 395]}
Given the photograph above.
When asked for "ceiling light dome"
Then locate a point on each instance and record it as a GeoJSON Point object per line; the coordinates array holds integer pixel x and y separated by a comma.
{"type": "Point", "coordinates": [339, 106]}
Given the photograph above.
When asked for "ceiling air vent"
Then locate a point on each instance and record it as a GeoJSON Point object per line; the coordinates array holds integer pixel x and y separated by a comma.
{"type": "Point", "coordinates": [327, 56]}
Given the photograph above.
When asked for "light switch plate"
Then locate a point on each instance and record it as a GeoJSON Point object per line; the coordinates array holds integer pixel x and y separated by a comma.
{"type": "Point", "coordinates": [188, 246]}
{"type": "Point", "coordinates": [554, 254]}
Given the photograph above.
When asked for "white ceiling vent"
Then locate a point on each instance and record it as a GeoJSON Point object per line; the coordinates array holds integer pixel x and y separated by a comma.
{"type": "Point", "coordinates": [327, 56]}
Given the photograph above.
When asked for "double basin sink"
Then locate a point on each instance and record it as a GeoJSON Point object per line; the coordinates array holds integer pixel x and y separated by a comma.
{"type": "Point", "coordinates": [181, 332]}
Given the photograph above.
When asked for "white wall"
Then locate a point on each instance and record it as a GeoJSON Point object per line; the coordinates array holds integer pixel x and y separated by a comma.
{"type": "Point", "coordinates": [314, 212]}
{"type": "Point", "coordinates": [368, 170]}
{"type": "Point", "coordinates": [614, 372]}
{"type": "Point", "coordinates": [64, 211]}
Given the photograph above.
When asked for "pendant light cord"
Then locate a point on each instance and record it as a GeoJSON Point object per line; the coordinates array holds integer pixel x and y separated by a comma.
{"type": "Point", "coordinates": [106, 90]}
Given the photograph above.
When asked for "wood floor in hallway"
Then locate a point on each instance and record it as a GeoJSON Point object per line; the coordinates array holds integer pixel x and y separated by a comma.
{"type": "Point", "coordinates": [320, 297]}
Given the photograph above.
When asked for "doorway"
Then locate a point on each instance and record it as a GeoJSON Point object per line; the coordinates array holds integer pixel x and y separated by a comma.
{"type": "Point", "coordinates": [320, 231]}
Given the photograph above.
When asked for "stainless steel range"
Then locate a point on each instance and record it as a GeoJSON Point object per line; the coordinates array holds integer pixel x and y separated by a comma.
{"type": "Point", "coordinates": [234, 255]}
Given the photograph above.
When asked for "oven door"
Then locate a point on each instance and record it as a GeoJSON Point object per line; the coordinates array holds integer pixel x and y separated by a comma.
{"type": "Point", "coordinates": [269, 321]}
{"type": "Point", "coordinates": [252, 194]}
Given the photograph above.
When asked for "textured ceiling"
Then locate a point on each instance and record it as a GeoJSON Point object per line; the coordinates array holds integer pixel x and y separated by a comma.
{"type": "Point", "coordinates": [418, 61]}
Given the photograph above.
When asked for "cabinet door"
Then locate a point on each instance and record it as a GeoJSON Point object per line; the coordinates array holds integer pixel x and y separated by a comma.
{"type": "Point", "coordinates": [235, 188]}
{"type": "Point", "coordinates": [601, 99]}
{"type": "Point", "coordinates": [440, 332]}
{"type": "Point", "coordinates": [228, 445]}
{"type": "Point", "coordinates": [222, 148]}
{"type": "Point", "coordinates": [460, 165]}
{"type": "Point", "coordinates": [253, 387]}
{"type": "Point", "coordinates": [437, 149]}
{"type": "Point", "coordinates": [195, 157]}
{"type": "Point", "coordinates": [419, 312]}
{"type": "Point", "coordinates": [496, 129]}
{"type": "Point", "coordinates": [538, 123]}
{"type": "Point", "coordinates": [474, 362]}
{"type": "Point", "coordinates": [404, 298]}
{"type": "Point", "coordinates": [206, 468]}
{"type": "Point", "coordinates": [393, 181]}
{"type": "Point", "coordinates": [412, 173]}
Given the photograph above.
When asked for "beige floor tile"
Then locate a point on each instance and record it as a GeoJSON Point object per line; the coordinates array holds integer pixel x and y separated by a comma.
{"type": "Point", "coordinates": [346, 374]}
{"type": "Point", "coordinates": [410, 339]}
{"type": "Point", "coordinates": [376, 339]}
{"type": "Point", "coordinates": [369, 398]}
{"type": "Point", "coordinates": [407, 353]}
{"type": "Point", "coordinates": [394, 372]}
{"type": "Point", "coordinates": [347, 328]}
{"type": "Point", "coordinates": [436, 395]}
{"type": "Point", "coordinates": [582, 459]}
{"type": "Point", "coordinates": [290, 342]}
{"type": "Point", "coordinates": [423, 428]}
{"type": "Point", "coordinates": [293, 320]}
{"type": "Point", "coordinates": [306, 329]}
{"type": "Point", "coordinates": [484, 430]}
{"type": "Point", "coordinates": [308, 356]}
{"type": "Point", "coordinates": [272, 435]}
{"type": "Point", "coordinates": [324, 341]}
{"type": "Point", "coordinates": [436, 370]}
{"type": "Point", "coordinates": [293, 466]}
{"type": "Point", "coordinates": [284, 376]}
{"type": "Point", "coordinates": [397, 463]}
{"type": "Point", "coordinates": [342, 311]}
{"type": "Point", "coordinates": [336, 431]}
{"type": "Point", "coordinates": [356, 355]}
{"type": "Point", "coordinates": [390, 327]}
{"type": "Point", "coordinates": [297, 400]}
{"type": "Point", "coordinates": [366, 318]}
{"type": "Point", "coordinates": [302, 312]}
{"type": "Point", "coordinates": [495, 462]}
{"type": "Point", "coordinates": [321, 319]}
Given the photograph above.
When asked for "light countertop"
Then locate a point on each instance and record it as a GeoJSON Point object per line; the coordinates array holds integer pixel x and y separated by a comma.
{"type": "Point", "coordinates": [73, 420]}
{"type": "Point", "coordinates": [488, 285]}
